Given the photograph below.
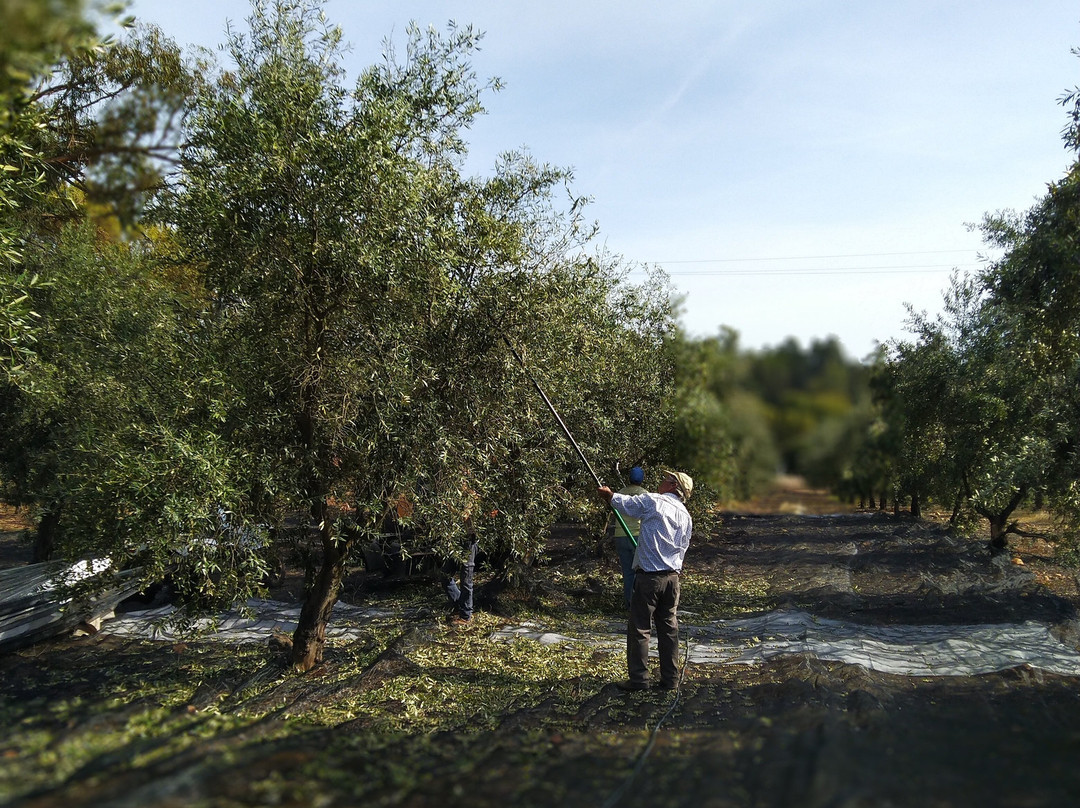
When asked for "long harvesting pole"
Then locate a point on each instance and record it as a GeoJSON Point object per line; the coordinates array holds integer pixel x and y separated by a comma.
{"type": "Point", "coordinates": [566, 431]}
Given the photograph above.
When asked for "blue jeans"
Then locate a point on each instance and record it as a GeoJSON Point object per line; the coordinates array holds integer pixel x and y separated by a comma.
{"type": "Point", "coordinates": [625, 548]}
{"type": "Point", "coordinates": [461, 597]}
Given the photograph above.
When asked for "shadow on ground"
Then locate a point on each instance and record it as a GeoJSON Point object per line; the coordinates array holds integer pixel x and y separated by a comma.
{"type": "Point", "coordinates": [102, 721]}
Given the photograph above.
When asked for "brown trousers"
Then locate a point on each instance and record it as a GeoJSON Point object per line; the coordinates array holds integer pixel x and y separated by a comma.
{"type": "Point", "coordinates": [655, 597]}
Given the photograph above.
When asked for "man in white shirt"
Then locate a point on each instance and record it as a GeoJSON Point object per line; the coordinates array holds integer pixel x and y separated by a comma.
{"type": "Point", "coordinates": [666, 528]}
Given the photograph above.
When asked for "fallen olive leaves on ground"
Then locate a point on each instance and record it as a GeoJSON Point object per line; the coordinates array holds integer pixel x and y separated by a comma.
{"type": "Point", "coordinates": [417, 712]}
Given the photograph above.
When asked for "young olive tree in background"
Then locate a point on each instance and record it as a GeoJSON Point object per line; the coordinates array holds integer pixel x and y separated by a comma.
{"type": "Point", "coordinates": [971, 408]}
{"type": "Point", "coordinates": [889, 449]}
{"type": "Point", "coordinates": [1034, 291]}
{"type": "Point", "coordinates": [362, 289]}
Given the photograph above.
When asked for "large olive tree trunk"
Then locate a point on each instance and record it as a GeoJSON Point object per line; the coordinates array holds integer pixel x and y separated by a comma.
{"type": "Point", "coordinates": [310, 635]}
{"type": "Point", "coordinates": [999, 531]}
{"type": "Point", "coordinates": [999, 521]}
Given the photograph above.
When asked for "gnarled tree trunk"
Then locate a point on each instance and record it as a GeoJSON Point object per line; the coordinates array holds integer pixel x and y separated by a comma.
{"type": "Point", "coordinates": [999, 522]}
{"type": "Point", "coordinates": [998, 531]}
{"type": "Point", "coordinates": [310, 635]}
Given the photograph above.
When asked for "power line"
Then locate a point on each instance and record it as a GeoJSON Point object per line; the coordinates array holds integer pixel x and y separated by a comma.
{"type": "Point", "coordinates": [901, 269]}
{"type": "Point", "coordinates": [888, 270]}
{"type": "Point", "coordinates": [805, 257]}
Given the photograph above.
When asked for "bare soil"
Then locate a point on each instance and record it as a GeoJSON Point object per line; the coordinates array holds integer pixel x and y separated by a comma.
{"type": "Point", "coordinates": [796, 731]}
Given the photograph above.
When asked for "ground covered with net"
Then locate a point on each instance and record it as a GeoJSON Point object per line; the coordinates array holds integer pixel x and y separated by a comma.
{"type": "Point", "coordinates": [826, 667]}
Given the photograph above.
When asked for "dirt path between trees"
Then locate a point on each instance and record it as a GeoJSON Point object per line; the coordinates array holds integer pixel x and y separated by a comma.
{"type": "Point", "coordinates": [789, 728]}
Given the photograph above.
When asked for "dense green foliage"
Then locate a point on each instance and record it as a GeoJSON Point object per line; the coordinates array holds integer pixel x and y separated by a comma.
{"type": "Point", "coordinates": [93, 339]}
{"type": "Point", "coordinates": [33, 37]}
{"type": "Point", "coordinates": [104, 436]}
{"type": "Point", "coordinates": [319, 318]}
{"type": "Point", "coordinates": [85, 124]}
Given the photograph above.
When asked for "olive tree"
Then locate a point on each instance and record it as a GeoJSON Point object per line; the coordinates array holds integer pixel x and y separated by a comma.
{"type": "Point", "coordinates": [109, 432]}
{"type": "Point", "coordinates": [85, 125]}
{"type": "Point", "coordinates": [1034, 289]}
{"type": "Point", "coordinates": [982, 430]}
{"type": "Point", "coordinates": [986, 397]}
{"type": "Point", "coordinates": [364, 294]}
{"type": "Point", "coordinates": [85, 326]}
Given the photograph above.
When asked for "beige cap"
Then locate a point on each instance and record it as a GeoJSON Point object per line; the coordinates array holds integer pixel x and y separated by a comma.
{"type": "Point", "coordinates": [682, 481]}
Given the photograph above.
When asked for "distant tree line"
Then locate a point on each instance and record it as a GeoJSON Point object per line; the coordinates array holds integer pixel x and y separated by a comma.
{"type": "Point", "coordinates": [748, 415]}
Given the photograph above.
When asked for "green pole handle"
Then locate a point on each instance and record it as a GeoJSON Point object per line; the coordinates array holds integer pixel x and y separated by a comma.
{"type": "Point", "coordinates": [622, 522]}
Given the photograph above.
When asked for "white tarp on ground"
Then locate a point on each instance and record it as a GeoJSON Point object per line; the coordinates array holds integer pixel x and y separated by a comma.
{"type": "Point", "coordinates": [264, 618]}
{"type": "Point", "coordinates": [912, 650]}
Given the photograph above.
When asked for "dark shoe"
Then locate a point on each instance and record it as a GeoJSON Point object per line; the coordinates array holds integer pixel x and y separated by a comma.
{"type": "Point", "coordinates": [630, 687]}
{"type": "Point", "coordinates": [665, 685]}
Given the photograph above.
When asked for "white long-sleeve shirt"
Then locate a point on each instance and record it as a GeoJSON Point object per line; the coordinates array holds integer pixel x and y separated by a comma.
{"type": "Point", "coordinates": [665, 533]}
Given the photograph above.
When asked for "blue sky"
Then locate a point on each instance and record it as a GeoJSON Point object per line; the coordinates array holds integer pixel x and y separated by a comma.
{"type": "Point", "coordinates": [800, 168]}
